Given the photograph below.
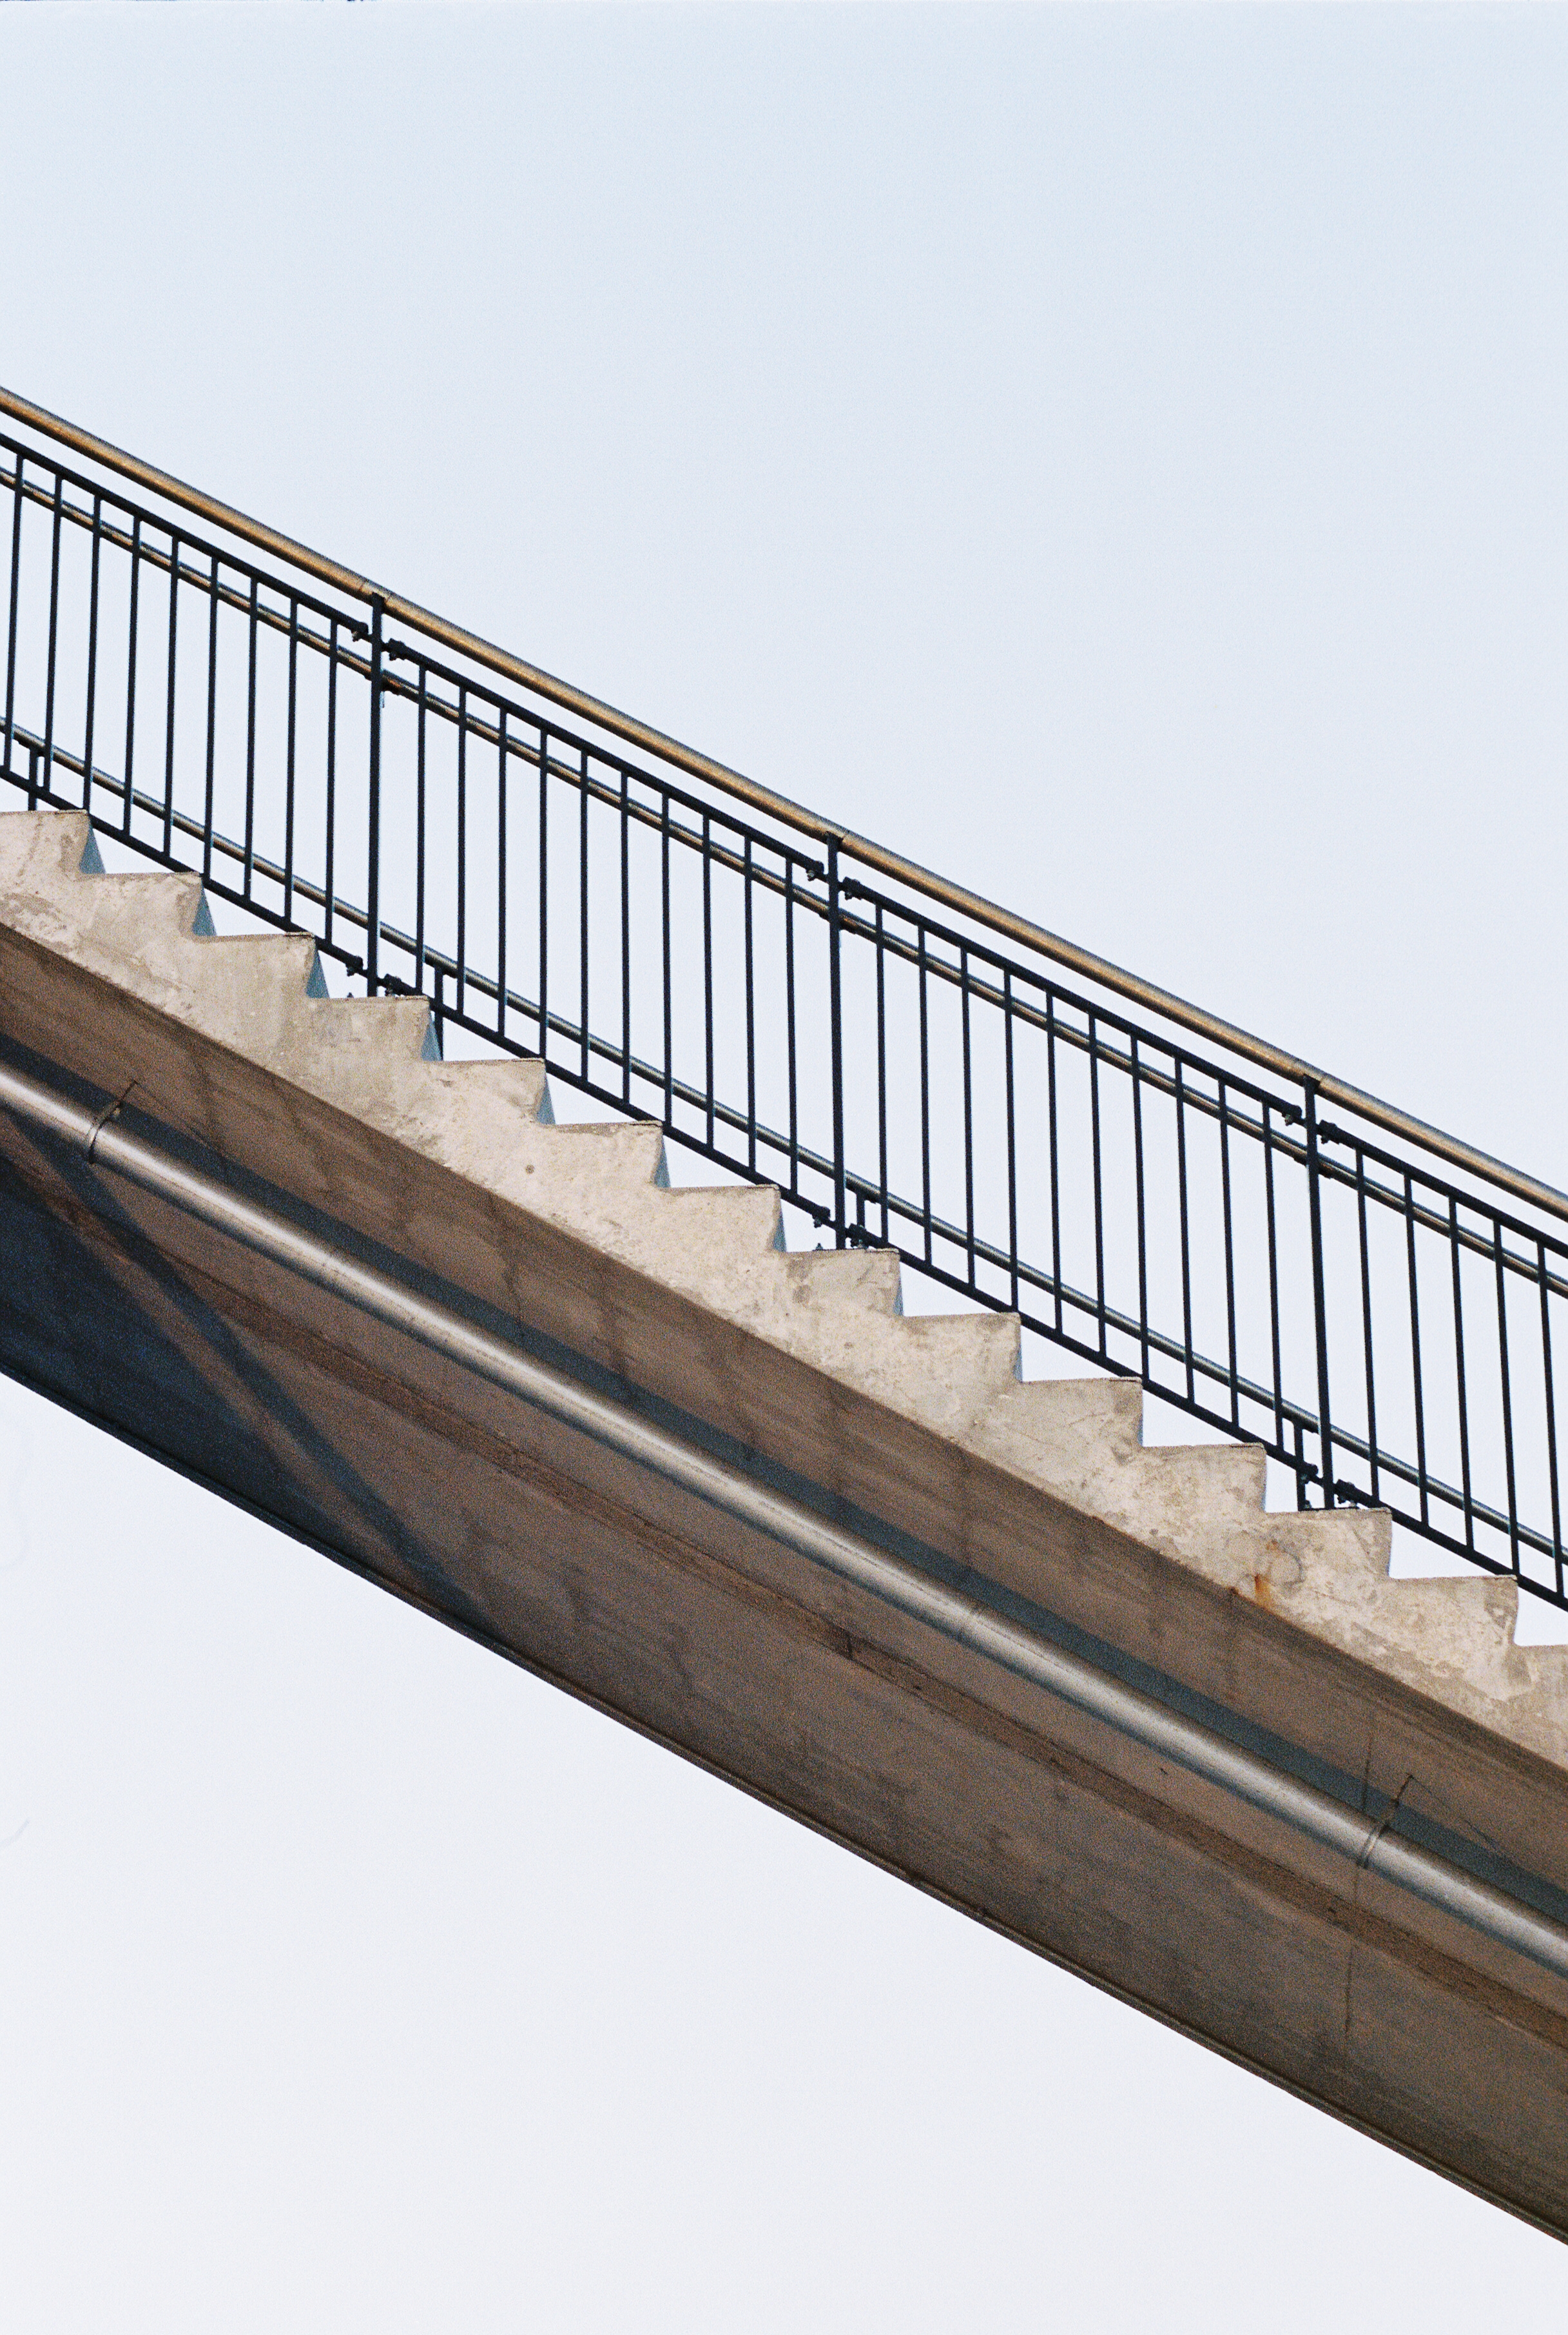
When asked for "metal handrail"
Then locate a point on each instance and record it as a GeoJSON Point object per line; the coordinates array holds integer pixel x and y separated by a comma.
{"type": "Point", "coordinates": [1147, 994]}
{"type": "Point", "coordinates": [1161, 1193]}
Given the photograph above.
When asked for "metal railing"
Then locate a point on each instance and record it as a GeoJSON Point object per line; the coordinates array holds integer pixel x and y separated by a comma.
{"type": "Point", "coordinates": [1268, 1249]}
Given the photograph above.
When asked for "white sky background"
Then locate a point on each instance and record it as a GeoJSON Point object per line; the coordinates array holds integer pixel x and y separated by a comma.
{"type": "Point", "coordinates": [1117, 458]}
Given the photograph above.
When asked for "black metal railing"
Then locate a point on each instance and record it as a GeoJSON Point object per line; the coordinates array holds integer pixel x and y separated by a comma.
{"type": "Point", "coordinates": [1267, 1249]}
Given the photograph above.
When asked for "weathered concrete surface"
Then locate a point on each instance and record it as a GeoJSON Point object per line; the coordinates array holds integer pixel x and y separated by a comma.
{"type": "Point", "coordinates": [724, 1645]}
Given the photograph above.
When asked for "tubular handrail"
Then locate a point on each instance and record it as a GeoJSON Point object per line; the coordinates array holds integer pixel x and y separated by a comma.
{"type": "Point", "coordinates": [1148, 995]}
{"type": "Point", "coordinates": [969, 1617]}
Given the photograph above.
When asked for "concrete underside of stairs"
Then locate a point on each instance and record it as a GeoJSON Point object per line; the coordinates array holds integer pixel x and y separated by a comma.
{"type": "Point", "coordinates": [717, 1641]}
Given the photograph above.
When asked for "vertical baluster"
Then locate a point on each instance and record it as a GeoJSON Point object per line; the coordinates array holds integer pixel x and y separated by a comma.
{"type": "Point", "coordinates": [1274, 1244]}
{"type": "Point", "coordinates": [584, 938]}
{"type": "Point", "coordinates": [501, 882]}
{"type": "Point", "coordinates": [924, 1097]}
{"type": "Point", "coordinates": [462, 971]}
{"type": "Point", "coordinates": [746, 873]}
{"type": "Point", "coordinates": [1454, 1254]}
{"type": "Point", "coordinates": [544, 895]}
{"type": "Point", "coordinates": [708, 976]}
{"type": "Point", "coordinates": [1551, 1411]}
{"type": "Point", "coordinates": [835, 1014]}
{"type": "Point", "coordinates": [53, 641]}
{"type": "Point", "coordinates": [330, 869]}
{"type": "Point", "coordinates": [250, 740]}
{"type": "Point", "coordinates": [87, 741]}
{"type": "Point", "coordinates": [626, 938]}
{"type": "Point", "coordinates": [882, 1070]}
{"type": "Point", "coordinates": [1184, 1221]}
{"type": "Point", "coordinates": [289, 762]}
{"type": "Point", "coordinates": [128, 798]}
{"type": "Point", "coordinates": [1099, 1184]}
{"type": "Point", "coordinates": [422, 720]}
{"type": "Point", "coordinates": [1320, 1294]}
{"type": "Point", "coordinates": [1508, 1393]}
{"type": "Point", "coordinates": [1233, 1373]}
{"type": "Point", "coordinates": [1367, 1322]}
{"type": "Point", "coordinates": [1012, 1137]}
{"type": "Point", "coordinates": [669, 1004]}
{"type": "Point", "coordinates": [373, 837]}
{"type": "Point", "coordinates": [209, 774]}
{"type": "Point", "coordinates": [968, 1116]}
{"type": "Point", "coordinates": [18, 468]}
{"type": "Point", "coordinates": [789, 1021]}
{"type": "Point", "coordinates": [1138, 1202]}
{"type": "Point", "coordinates": [1054, 1161]}
{"type": "Point", "coordinates": [1415, 1371]}
{"type": "Point", "coordinates": [172, 656]}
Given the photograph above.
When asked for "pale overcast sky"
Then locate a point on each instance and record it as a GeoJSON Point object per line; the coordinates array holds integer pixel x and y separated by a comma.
{"type": "Point", "coordinates": [1166, 404]}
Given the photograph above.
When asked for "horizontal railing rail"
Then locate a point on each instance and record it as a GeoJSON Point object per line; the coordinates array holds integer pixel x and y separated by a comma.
{"type": "Point", "coordinates": [1159, 1194]}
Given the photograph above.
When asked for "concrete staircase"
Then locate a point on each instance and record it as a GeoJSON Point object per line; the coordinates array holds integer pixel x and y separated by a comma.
{"type": "Point", "coordinates": [838, 1312]}
{"type": "Point", "coordinates": [1286, 1624]}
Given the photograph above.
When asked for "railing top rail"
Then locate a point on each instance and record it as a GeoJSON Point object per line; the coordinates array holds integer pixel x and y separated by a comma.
{"type": "Point", "coordinates": [1147, 994]}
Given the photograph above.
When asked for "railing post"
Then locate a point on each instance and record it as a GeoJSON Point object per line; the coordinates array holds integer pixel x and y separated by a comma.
{"type": "Point", "coordinates": [840, 1229]}
{"type": "Point", "coordinates": [1319, 1300]}
{"type": "Point", "coordinates": [372, 876]}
